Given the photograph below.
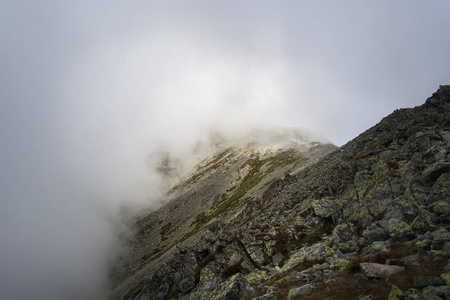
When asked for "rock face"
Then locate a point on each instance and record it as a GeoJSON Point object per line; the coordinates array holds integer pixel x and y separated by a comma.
{"type": "Point", "coordinates": [261, 220]}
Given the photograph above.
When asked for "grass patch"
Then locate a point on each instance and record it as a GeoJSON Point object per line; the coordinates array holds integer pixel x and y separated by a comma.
{"type": "Point", "coordinates": [398, 250]}
{"type": "Point", "coordinates": [231, 270]}
{"type": "Point", "coordinates": [209, 258]}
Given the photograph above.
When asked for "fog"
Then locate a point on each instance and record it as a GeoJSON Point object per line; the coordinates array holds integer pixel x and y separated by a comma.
{"type": "Point", "coordinates": [91, 91]}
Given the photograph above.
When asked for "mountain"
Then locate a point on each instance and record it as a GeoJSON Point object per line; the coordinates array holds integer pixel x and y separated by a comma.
{"type": "Point", "coordinates": [281, 216]}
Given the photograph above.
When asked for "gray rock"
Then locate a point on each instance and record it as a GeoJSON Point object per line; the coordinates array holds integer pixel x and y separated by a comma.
{"type": "Point", "coordinates": [374, 233]}
{"type": "Point", "coordinates": [378, 246]}
{"type": "Point", "coordinates": [441, 240]}
{"type": "Point", "coordinates": [395, 294]}
{"type": "Point", "coordinates": [412, 294]}
{"type": "Point", "coordinates": [430, 296]}
{"type": "Point", "coordinates": [306, 289]}
{"type": "Point", "coordinates": [344, 233]}
{"type": "Point", "coordinates": [399, 230]}
{"type": "Point", "coordinates": [187, 284]}
{"type": "Point", "coordinates": [293, 293]}
{"type": "Point", "coordinates": [440, 291]}
{"type": "Point", "coordinates": [277, 259]}
{"type": "Point", "coordinates": [441, 188]}
{"type": "Point", "coordinates": [373, 270]}
{"type": "Point", "coordinates": [424, 281]}
{"type": "Point", "coordinates": [303, 290]}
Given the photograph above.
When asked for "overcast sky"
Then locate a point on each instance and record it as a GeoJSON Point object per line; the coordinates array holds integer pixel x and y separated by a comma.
{"type": "Point", "coordinates": [89, 88]}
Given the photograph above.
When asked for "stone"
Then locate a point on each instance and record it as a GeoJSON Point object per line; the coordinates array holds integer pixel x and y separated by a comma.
{"type": "Point", "coordinates": [430, 296]}
{"type": "Point", "coordinates": [441, 240]}
{"type": "Point", "coordinates": [236, 287]}
{"type": "Point", "coordinates": [303, 290]}
{"type": "Point", "coordinates": [344, 233]}
{"type": "Point", "coordinates": [378, 246]}
{"type": "Point", "coordinates": [373, 270]}
{"type": "Point", "coordinates": [395, 294]}
{"type": "Point", "coordinates": [277, 259]}
{"type": "Point", "coordinates": [446, 278]}
{"type": "Point", "coordinates": [441, 188]}
{"type": "Point", "coordinates": [187, 284]}
{"type": "Point", "coordinates": [412, 294]}
{"type": "Point", "coordinates": [314, 252]}
{"type": "Point", "coordinates": [439, 291]}
{"type": "Point", "coordinates": [306, 289]}
{"type": "Point", "coordinates": [349, 247]}
{"type": "Point", "coordinates": [374, 233]}
{"type": "Point", "coordinates": [399, 230]}
{"type": "Point", "coordinates": [258, 256]}
{"type": "Point", "coordinates": [442, 210]}
{"type": "Point", "coordinates": [423, 281]}
{"type": "Point", "coordinates": [447, 267]}
{"type": "Point", "coordinates": [293, 293]}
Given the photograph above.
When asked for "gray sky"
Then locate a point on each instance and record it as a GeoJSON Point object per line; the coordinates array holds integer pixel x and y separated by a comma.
{"type": "Point", "coordinates": [89, 88]}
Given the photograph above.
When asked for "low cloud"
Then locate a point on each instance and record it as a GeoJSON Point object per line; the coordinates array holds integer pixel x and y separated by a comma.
{"type": "Point", "coordinates": [95, 94]}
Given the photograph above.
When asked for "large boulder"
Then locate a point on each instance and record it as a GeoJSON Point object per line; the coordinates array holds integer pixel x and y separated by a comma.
{"type": "Point", "coordinates": [441, 240]}
{"type": "Point", "coordinates": [314, 252]}
{"type": "Point", "coordinates": [423, 281]}
{"type": "Point", "coordinates": [373, 270]}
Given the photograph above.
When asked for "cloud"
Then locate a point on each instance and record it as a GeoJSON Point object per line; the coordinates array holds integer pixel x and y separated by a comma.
{"type": "Point", "coordinates": [89, 90]}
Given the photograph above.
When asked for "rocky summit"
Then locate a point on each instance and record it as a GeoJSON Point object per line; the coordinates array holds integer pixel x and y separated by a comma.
{"type": "Point", "coordinates": [290, 218]}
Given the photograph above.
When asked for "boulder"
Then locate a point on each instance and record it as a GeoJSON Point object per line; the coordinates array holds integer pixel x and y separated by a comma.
{"type": "Point", "coordinates": [378, 246]}
{"type": "Point", "coordinates": [412, 294]}
{"type": "Point", "coordinates": [430, 296]}
{"type": "Point", "coordinates": [306, 289]}
{"type": "Point", "coordinates": [303, 290]}
{"type": "Point", "coordinates": [442, 210]}
{"type": "Point", "coordinates": [374, 233]}
{"type": "Point", "coordinates": [441, 240]}
{"type": "Point", "coordinates": [314, 252]}
{"type": "Point", "coordinates": [399, 230]}
{"type": "Point", "coordinates": [395, 294]}
{"type": "Point", "coordinates": [446, 278]}
{"type": "Point", "coordinates": [441, 188]}
{"type": "Point", "coordinates": [277, 259]}
{"type": "Point", "coordinates": [344, 233]}
{"type": "Point", "coordinates": [294, 293]}
{"type": "Point", "coordinates": [424, 281]}
{"type": "Point", "coordinates": [373, 270]}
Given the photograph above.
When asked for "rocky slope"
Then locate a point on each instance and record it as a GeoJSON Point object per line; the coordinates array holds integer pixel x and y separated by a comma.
{"type": "Point", "coordinates": [367, 220]}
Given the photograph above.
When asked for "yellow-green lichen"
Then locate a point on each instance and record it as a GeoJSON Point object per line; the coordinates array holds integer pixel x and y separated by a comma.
{"type": "Point", "coordinates": [256, 279]}
{"type": "Point", "coordinates": [395, 294]}
{"type": "Point", "coordinates": [446, 278]}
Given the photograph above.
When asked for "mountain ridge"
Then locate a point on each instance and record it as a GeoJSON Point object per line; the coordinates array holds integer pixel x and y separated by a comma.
{"type": "Point", "coordinates": [277, 223]}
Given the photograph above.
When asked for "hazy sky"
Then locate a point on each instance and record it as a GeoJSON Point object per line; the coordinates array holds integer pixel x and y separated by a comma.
{"type": "Point", "coordinates": [89, 88]}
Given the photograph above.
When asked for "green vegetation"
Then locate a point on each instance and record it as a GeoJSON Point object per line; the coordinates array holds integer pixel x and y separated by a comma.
{"type": "Point", "coordinates": [254, 176]}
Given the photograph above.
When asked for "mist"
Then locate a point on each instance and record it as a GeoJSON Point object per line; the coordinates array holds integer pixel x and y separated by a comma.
{"type": "Point", "coordinates": [93, 92]}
